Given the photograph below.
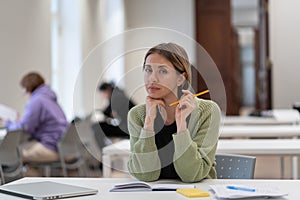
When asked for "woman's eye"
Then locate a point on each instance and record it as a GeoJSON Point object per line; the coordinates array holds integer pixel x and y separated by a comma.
{"type": "Point", "coordinates": [147, 70]}
{"type": "Point", "coordinates": [163, 71]}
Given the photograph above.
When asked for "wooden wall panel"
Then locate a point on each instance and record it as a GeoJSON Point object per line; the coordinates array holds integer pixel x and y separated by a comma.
{"type": "Point", "coordinates": [214, 32]}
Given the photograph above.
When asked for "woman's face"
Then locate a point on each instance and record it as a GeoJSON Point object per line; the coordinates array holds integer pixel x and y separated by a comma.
{"type": "Point", "coordinates": [160, 77]}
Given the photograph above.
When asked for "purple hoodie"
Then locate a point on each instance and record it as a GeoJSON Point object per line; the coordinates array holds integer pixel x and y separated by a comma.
{"type": "Point", "coordinates": [43, 118]}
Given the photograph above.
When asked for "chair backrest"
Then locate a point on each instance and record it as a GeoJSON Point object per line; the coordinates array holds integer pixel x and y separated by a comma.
{"type": "Point", "coordinates": [230, 166]}
{"type": "Point", "coordinates": [70, 144]}
{"type": "Point", "coordinates": [9, 148]}
{"type": "Point", "coordinates": [10, 155]}
{"type": "Point", "coordinates": [87, 137]}
{"type": "Point", "coordinates": [71, 150]}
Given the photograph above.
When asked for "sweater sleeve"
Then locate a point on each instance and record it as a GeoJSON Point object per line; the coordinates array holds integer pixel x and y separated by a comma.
{"type": "Point", "coordinates": [30, 120]}
{"type": "Point", "coordinates": [144, 163]}
{"type": "Point", "coordinates": [194, 156]}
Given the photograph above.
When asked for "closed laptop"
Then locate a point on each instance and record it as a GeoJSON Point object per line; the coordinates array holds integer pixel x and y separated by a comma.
{"type": "Point", "coordinates": [46, 190]}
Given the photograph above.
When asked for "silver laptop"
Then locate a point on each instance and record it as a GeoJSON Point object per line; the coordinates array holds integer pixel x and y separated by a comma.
{"type": "Point", "coordinates": [45, 190]}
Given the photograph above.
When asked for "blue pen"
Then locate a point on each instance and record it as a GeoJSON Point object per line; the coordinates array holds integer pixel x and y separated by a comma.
{"type": "Point", "coordinates": [231, 187]}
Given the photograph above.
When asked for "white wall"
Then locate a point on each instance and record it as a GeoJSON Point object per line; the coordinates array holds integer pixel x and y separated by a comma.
{"type": "Point", "coordinates": [101, 20]}
{"type": "Point", "coordinates": [105, 45]}
{"type": "Point", "coordinates": [24, 46]}
{"type": "Point", "coordinates": [285, 52]}
{"type": "Point", "coordinates": [25, 43]}
{"type": "Point", "coordinates": [68, 52]}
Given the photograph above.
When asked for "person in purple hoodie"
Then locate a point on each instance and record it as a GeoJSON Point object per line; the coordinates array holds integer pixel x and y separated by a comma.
{"type": "Point", "coordinates": [43, 119]}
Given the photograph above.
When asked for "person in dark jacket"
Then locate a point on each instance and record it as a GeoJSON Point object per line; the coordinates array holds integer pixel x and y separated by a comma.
{"type": "Point", "coordinates": [114, 124]}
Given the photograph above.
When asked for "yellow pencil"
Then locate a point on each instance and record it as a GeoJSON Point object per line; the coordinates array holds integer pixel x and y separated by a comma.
{"type": "Point", "coordinates": [195, 95]}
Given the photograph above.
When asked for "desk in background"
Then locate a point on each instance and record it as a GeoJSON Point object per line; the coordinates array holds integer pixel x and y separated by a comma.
{"type": "Point", "coordinates": [3, 133]}
{"type": "Point", "coordinates": [270, 147]}
{"type": "Point", "coordinates": [266, 147]}
{"type": "Point", "coordinates": [283, 124]}
{"type": "Point", "coordinates": [116, 150]}
{"type": "Point", "coordinates": [260, 131]}
{"type": "Point", "coordinates": [103, 185]}
{"type": "Point", "coordinates": [275, 117]}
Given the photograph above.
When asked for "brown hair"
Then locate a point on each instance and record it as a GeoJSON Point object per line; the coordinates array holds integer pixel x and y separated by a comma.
{"type": "Point", "coordinates": [176, 55]}
{"type": "Point", "coordinates": [31, 81]}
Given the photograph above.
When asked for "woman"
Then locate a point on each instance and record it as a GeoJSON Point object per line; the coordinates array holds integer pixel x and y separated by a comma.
{"type": "Point", "coordinates": [43, 120]}
{"type": "Point", "coordinates": [172, 142]}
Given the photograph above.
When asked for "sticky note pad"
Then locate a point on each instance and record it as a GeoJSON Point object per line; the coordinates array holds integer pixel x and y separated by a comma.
{"type": "Point", "coordinates": [192, 192]}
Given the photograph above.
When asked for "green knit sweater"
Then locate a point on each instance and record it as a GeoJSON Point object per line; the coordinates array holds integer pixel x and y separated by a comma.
{"type": "Point", "coordinates": [195, 148]}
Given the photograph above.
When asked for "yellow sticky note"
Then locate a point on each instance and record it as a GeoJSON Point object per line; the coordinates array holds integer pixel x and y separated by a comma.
{"type": "Point", "coordinates": [192, 192]}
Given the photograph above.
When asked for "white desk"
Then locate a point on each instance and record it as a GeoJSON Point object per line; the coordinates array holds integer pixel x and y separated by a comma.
{"type": "Point", "coordinates": [260, 131]}
{"type": "Point", "coordinates": [279, 117]}
{"type": "Point", "coordinates": [103, 185]}
{"type": "Point", "coordinates": [270, 147]}
{"type": "Point", "coordinates": [265, 131]}
{"type": "Point", "coordinates": [120, 150]}
{"type": "Point", "coordinates": [3, 132]}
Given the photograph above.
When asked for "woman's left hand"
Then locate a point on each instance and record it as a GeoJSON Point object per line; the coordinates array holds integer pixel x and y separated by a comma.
{"type": "Point", "coordinates": [183, 110]}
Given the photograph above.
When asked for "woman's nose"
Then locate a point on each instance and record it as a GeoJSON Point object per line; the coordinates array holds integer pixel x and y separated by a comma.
{"type": "Point", "coordinates": [153, 77]}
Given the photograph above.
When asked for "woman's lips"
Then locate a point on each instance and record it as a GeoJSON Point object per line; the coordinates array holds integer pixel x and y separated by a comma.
{"type": "Point", "coordinates": [153, 88]}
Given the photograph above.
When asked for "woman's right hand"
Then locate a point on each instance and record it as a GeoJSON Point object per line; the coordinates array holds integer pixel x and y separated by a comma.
{"type": "Point", "coordinates": [151, 112]}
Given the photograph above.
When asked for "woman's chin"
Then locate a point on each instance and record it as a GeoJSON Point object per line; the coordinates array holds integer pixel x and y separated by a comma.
{"type": "Point", "coordinates": [153, 96]}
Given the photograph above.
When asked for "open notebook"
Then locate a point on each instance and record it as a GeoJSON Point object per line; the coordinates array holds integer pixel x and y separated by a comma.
{"type": "Point", "coordinates": [45, 190]}
{"type": "Point", "coordinates": [143, 186]}
{"type": "Point", "coordinates": [8, 113]}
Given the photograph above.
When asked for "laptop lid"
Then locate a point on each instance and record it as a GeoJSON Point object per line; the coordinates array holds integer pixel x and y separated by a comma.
{"type": "Point", "coordinates": [46, 190]}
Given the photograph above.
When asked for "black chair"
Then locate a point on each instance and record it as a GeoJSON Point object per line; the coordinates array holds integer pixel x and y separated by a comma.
{"type": "Point", "coordinates": [11, 164]}
{"type": "Point", "coordinates": [230, 166]}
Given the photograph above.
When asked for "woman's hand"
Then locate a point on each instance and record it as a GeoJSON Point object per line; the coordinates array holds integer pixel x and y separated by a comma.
{"type": "Point", "coordinates": [183, 109]}
{"type": "Point", "coordinates": [151, 112]}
